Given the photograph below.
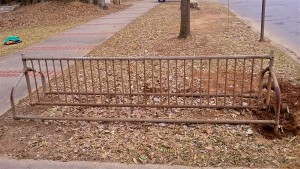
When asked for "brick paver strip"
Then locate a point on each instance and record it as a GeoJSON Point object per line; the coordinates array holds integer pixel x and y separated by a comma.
{"type": "Point", "coordinates": [16, 73]}
{"type": "Point", "coordinates": [86, 33]}
{"type": "Point", "coordinates": [104, 23]}
{"type": "Point", "coordinates": [139, 9]}
{"type": "Point", "coordinates": [61, 48]}
{"type": "Point", "coordinates": [132, 13]}
{"type": "Point", "coordinates": [120, 17]}
{"type": "Point", "coordinates": [12, 73]}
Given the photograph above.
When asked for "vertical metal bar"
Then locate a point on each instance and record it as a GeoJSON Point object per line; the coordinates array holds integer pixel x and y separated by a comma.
{"type": "Point", "coordinates": [106, 77]}
{"type": "Point", "coordinates": [208, 93]}
{"type": "Point", "coordinates": [251, 83]}
{"type": "Point", "coordinates": [160, 81]}
{"type": "Point", "coordinates": [70, 79]}
{"type": "Point", "coordinates": [129, 79]}
{"type": "Point", "coordinates": [100, 81]}
{"type": "Point", "coordinates": [55, 76]}
{"type": "Point", "coordinates": [85, 81]}
{"type": "Point", "coordinates": [27, 79]}
{"type": "Point", "coordinates": [184, 93]}
{"type": "Point", "coordinates": [201, 62]}
{"type": "Point", "coordinates": [217, 87]}
{"type": "Point", "coordinates": [243, 81]}
{"type": "Point", "coordinates": [115, 85]}
{"type": "Point", "coordinates": [122, 80]}
{"type": "Point", "coordinates": [92, 77]}
{"type": "Point", "coordinates": [234, 82]}
{"type": "Point", "coordinates": [137, 81]}
{"type": "Point", "coordinates": [63, 78]}
{"type": "Point", "coordinates": [168, 82]}
{"type": "Point", "coordinates": [261, 65]}
{"type": "Point", "coordinates": [78, 82]}
{"type": "Point", "coordinates": [176, 75]}
{"type": "Point", "coordinates": [145, 96]}
{"type": "Point", "coordinates": [225, 87]}
{"type": "Point", "coordinates": [192, 82]}
{"type": "Point", "coordinates": [49, 82]}
{"type": "Point", "coordinates": [35, 82]}
{"type": "Point", "coordinates": [261, 80]}
{"type": "Point", "coordinates": [40, 69]}
{"type": "Point", "coordinates": [152, 81]}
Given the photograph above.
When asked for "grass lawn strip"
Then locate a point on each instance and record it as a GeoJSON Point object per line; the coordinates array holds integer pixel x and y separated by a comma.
{"type": "Point", "coordinates": [42, 20]}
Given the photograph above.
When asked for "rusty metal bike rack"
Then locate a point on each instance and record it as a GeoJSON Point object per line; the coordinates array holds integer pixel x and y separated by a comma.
{"type": "Point", "coordinates": [157, 82]}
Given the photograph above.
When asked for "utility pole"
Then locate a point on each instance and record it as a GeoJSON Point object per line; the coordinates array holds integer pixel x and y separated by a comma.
{"type": "Point", "coordinates": [262, 28]}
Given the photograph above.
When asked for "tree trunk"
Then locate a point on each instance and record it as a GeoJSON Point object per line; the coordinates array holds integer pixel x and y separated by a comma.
{"type": "Point", "coordinates": [27, 2]}
{"type": "Point", "coordinates": [23, 3]}
{"type": "Point", "coordinates": [117, 2]}
{"type": "Point", "coordinates": [102, 4]}
{"type": "Point", "coordinates": [185, 19]}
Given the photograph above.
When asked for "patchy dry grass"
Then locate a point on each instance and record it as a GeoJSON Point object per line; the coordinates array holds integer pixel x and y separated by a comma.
{"type": "Point", "coordinates": [40, 21]}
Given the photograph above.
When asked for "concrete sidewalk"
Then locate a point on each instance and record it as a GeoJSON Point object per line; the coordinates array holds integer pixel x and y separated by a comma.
{"type": "Point", "coordinates": [76, 42]}
{"type": "Point", "coordinates": [7, 8]}
{"type": "Point", "coordinates": [44, 164]}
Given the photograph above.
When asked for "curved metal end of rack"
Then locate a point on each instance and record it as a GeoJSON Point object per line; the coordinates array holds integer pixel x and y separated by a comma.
{"type": "Point", "coordinates": [278, 101]}
{"type": "Point", "coordinates": [12, 99]}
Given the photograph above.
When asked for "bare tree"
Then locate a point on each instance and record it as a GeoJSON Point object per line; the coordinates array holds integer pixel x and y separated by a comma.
{"type": "Point", "coordinates": [185, 29]}
{"type": "Point", "coordinates": [100, 3]}
{"type": "Point", "coordinates": [118, 2]}
{"type": "Point", "coordinates": [26, 2]}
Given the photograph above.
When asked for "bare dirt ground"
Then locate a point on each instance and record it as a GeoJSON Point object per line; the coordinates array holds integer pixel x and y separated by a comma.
{"type": "Point", "coordinates": [193, 145]}
{"type": "Point", "coordinates": [42, 20]}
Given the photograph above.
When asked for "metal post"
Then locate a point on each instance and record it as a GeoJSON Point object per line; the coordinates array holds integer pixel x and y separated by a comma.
{"type": "Point", "coordinates": [262, 29]}
{"type": "Point", "coordinates": [228, 10]}
{"type": "Point", "coordinates": [25, 70]}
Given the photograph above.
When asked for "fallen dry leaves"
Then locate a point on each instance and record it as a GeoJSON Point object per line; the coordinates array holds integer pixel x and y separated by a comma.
{"type": "Point", "coordinates": [211, 34]}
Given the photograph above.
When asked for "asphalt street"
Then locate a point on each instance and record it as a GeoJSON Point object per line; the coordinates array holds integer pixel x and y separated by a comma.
{"type": "Point", "coordinates": [282, 19]}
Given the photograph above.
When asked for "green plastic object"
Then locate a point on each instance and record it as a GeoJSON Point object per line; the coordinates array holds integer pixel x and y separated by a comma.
{"type": "Point", "coordinates": [12, 40]}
